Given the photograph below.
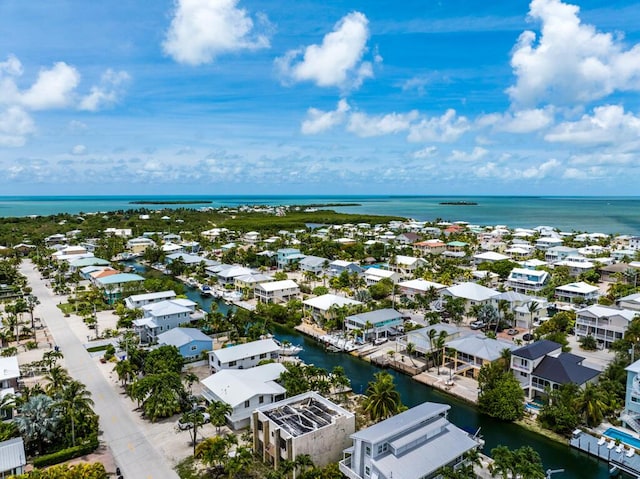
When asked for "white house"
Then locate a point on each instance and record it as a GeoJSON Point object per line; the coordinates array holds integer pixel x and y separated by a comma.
{"type": "Point", "coordinates": [489, 257]}
{"type": "Point", "coordinates": [558, 253]}
{"type": "Point", "coordinates": [373, 275]}
{"type": "Point", "coordinates": [244, 390]}
{"type": "Point", "coordinates": [605, 324]}
{"type": "Point", "coordinates": [313, 264]}
{"type": "Point", "coordinates": [163, 316]}
{"type": "Point", "coordinates": [140, 300]}
{"type": "Point", "coordinates": [277, 291]}
{"type": "Point", "coordinates": [472, 293]}
{"type": "Point", "coordinates": [304, 424]}
{"type": "Point", "coordinates": [421, 286]}
{"type": "Point", "coordinates": [243, 356]}
{"type": "Point", "coordinates": [320, 307]}
{"type": "Point", "coordinates": [406, 265]}
{"type": "Point", "coordinates": [577, 264]}
{"type": "Point", "coordinates": [523, 280]}
{"type": "Point", "coordinates": [577, 292]}
{"type": "Point", "coordinates": [12, 457]}
{"type": "Point", "coordinates": [414, 444]}
{"type": "Point", "coordinates": [631, 301]}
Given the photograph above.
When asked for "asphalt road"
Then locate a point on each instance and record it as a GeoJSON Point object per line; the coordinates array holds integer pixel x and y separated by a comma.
{"type": "Point", "coordinates": [133, 453]}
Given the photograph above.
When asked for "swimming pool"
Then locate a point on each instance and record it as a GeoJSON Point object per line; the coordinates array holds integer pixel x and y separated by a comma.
{"type": "Point", "coordinates": [624, 437]}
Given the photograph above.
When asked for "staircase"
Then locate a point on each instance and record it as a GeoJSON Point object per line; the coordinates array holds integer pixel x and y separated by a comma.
{"type": "Point", "coordinates": [632, 420]}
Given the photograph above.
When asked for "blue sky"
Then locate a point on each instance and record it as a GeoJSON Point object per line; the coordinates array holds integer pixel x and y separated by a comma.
{"type": "Point", "coordinates": [319, 97]}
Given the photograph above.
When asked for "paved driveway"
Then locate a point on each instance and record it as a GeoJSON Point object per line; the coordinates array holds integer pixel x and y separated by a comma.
{"type": "Point", "coordinates": [133, 453]}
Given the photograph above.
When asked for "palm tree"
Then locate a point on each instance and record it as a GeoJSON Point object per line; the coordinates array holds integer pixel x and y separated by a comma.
{"type": "Point", "coordinates": [219, 411]}
{"type": "Point", "coordinates": [75, 400]}
{"type": "Point", "coordinates": [411, 348]}
{"type": "Point", "coordinates": [190, 379]}
{"type": "Point", "coordinates": [439, 344]}
{"type": "Point", "coordinates": [38, 421]}
{"type": "Point", "coordinates": [505, 359]}
{"type": "Point", "coordinates": [383, 400]}
{"type": "Point", "coordinates": [303, 461]}
{"type": "Point", "coordinates": [57, 379]}
{"type": "Point", "coordinates": [593, 404]}
{"type": "Point", "coordinates": [532, 307]}
{"type": "Point", "coordinates": [212, 451]}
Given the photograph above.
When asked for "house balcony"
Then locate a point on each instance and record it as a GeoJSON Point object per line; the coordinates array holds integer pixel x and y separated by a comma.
{"type": "Point", "coordinates": [345, 468]}
{"type": "Point", "coordinates": [518, 367]}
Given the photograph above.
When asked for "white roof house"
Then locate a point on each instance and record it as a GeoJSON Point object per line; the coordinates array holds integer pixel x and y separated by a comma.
{"type": "Point", "coordinates": [410, 445]}
{"type": "Point", "coordinates": [489, 257]}
{"type": "Point", "coordinates": [419, 285]}
{"type": "Point", "coordinates": [139, 300]}
{"type": "Point", "coordinates": [373, 275]}
{"type": "Point", "coordinates": [471, 292]}
{"type": "Point", "coordinates": [12, 457]}
{"type": "Point", "coordinates": [277, 291]}
{"type": "Point", "coordinates": [326, 301]}
{"type": "Point", "coordinates": [243, 356]}
{"type": "Point", "coordinates": [244, 390]}
{"type": "Point", "coordinates": [580, 290]}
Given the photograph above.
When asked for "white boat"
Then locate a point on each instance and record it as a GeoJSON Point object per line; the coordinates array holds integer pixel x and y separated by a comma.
{"type": "Point", "coordinates": [288, 349]}
{"type": "Point", "coordinates": [205, 289]}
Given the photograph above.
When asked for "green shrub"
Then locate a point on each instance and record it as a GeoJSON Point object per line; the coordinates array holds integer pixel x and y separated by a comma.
{"type": "Point", "coordinates": [31, 345]}
{"type": "Point", "coordinates": [66, 454]}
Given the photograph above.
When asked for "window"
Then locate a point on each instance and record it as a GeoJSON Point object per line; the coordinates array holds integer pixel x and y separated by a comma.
{"type": "Point", "coordinates": [367, 471]}
{"type": "Point", "coordinates": [263, 355]}
{"type": "Point", "coordinates": [232, 363]}
{"type": "Point", "coordinates": [367, 451]}
{"type": "Point", "coordinates": [261, 399]}
{"type": "Point", "coordinates": [194, 347]}
{"type": "Point", "coordinates": [246, 404]}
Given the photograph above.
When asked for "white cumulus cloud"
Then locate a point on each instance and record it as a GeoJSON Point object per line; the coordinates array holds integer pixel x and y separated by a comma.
{"type": "Point", "coordinates": [15, 126]}
{"type": "Point", "coordinates": [608, 124]}
{"type": "Point", "coordinates": [337, 61]}
{"type": "Point", "coordinates": [203, 29]}
{"type": "Point", "coordinates": [364, 125]}
{"type": "Point", "coordinates": [522, 121]}
{"type": "Point", "coordinates": [107, 92]}
{"type": "Point", "coordinates": [474, 155]}
{"type": "Point", "coordinates": [427, 152]}
{"type": "Point", "coordinates": [446, 128]}
{"type": "Point", "coordinates": [54, 88]}
{"type": "Point", "coordinates": [570, 61]}
{"type": "Point", "coordinates": [318, 121]}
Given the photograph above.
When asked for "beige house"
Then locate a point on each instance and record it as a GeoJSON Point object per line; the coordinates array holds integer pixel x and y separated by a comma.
{"type": "Point", "coordinates": [277, 291]}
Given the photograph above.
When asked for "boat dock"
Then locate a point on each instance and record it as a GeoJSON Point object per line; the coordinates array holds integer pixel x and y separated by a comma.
{"type": "Point", "coordinates": [620, 457]}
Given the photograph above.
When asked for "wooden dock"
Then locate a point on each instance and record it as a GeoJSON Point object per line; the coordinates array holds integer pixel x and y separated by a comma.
{"type": "Point", "coordinates": [620, 457]}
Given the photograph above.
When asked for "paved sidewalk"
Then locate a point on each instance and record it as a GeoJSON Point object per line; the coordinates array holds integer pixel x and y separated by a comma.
{"type": "Point", "coordinates": [133, 452]}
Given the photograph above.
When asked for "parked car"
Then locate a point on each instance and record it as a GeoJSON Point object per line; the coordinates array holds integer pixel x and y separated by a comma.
{"type": "Point", "coordinates": [512, 332]}
{"type": "Point", "coordinates": [188, 424]}
{"type": "Point", "coordinates": [527, 337]}
{"type": "Point", "coordinates": [477, 325]}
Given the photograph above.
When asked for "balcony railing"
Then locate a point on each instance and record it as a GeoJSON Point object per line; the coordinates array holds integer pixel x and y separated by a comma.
{"type": "Point", "coordinates": [345, 468]}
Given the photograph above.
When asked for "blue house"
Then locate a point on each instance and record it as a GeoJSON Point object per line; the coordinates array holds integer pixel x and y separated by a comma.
{"type": "Point", "coordinates": [631, 414]}
{"type": "Point", "coordinates": [191, 342]}
{"type": "Point", "coordinates": [288, 256]}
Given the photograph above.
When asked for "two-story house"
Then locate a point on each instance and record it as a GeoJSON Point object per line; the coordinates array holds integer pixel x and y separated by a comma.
{"type": "Point", "coordinates": [605, 324]}
{"type": "Point", "coordinates": [580, 292]}
{"type": "Point", "coordinates": [414, 444]}
{"type": "Point", "coordinates": [139, 300]}
{"type": "Point", "coordinates": [276, 291]}
{"type": "Point", "coordinates": [375, 324]}
{"type": "Point", "coordinates": [163, 316]}
{"type": "Point", "coordinates": [406, 266]}
{"type": "Point", "coordinates": [243, 356]}
{"type": "Point", "coordinates": [523, 280]}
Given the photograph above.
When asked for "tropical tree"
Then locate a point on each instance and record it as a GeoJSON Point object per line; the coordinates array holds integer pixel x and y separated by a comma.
{"type": "Point", "coordinates": [219, 410]}
{"type": "Point", "coordinates": [592, 401]}
{"type": "Point", "coordinates": [383, 400]}
{"type": "Point", "coordinates": [411, 349]}
{"type": "Point", "coordinates": [160, 395]}
{"type": "Point", "coordinates": [213, 451]}
{"type": "Point", "coordinates": [501, 395]}
{"type": "Point", "coordinates": [38, 421]}
{"type": "Point", "coordinates": [76, 404]}
{"type": "Point", "coordinates": [57, 378]}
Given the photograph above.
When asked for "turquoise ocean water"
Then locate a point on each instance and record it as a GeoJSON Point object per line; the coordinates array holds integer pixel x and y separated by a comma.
{"type": "Point", "coordinates": [594, 214]}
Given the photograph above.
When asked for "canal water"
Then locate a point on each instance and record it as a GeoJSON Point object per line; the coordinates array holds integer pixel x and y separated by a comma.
{"type": "Point", "coordinates": [554, 455]}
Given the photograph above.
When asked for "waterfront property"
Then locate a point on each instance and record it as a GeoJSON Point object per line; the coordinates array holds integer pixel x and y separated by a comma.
{"type": "Point", "coordinates": [414, 444]}
{"type": "Point", "coordinates": [465, 356]}
{"type": "Point", "coordinates": [163, 316]}
{"type": "Point", "coordinates": [244, 390]}
{"type": "Point", "coordinates": [304, 424]}
{"type": "Point", "coordinates": [243, 356]}
{"type": "Point", "coordinates": [526, 310]}
{"type": "Point", "coordinates": [191, 342]}
{"type": "Point", "coordinates": [375, 324]}
{"type": "Point", "coordinates": [605, 324]}
{"type": "Point", "coordinates": [323, 307]}
{"type": "Point", "coordinates": [139, 300]}
{"type": "Point", "coordinates": [113, 285]}
{"type": "Point", "coordinates": [277, 291]}
{"type": "Point", "coordinates": [542, 365]}
{"type": "Point", "coordinates": [140, 244]}
{"type": "Point", "coordinates": [631, 414]}
{"type": "Point", "coordinates": [425, 341]}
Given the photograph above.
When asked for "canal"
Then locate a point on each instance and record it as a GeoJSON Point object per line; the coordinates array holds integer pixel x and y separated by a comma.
{"type": "Point", "coordinates": [554, 455]}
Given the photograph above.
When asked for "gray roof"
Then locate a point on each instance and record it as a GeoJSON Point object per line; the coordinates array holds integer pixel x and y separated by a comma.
{"type": "Point", "coordinates": [12, 454]}
{"type": "Point", "coordinates": [401, 422]}
{"type": "Point", "coordinates": [480, 346]}
{"type": "Point", "coordinates": [313, 261]}
{"type": "Point", "coordinates": [180, 336]}
{"type": "Point", "coordinates": [241, 351]}
{"type": "Point", "coordinates": [565, 369]}
{"type": "Point", "coordinates": [536, 350]}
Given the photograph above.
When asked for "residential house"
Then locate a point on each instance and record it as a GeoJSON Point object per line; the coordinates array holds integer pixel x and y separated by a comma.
{"type": "Point", "coordinates": [114, 285]}
{"type": "Point", "coordinates": [407, 238]}
{"type": "Point", "coordinates": [580, 292]}
{"type": "Point", "coordinates": [243, 356]}
{"type": "Point", "coordinates": [631, 414]}
{"type": "Point", "coordinates": [189, 259]}
{"type": "Point", "coordinates": [406, 266]}
{"type": "Point", "coordinates": [140, 244]}
{"type": "Point", "coordinates": [542, 366]}
{"type": "Point", "coordinates": [374, 275]}
{"type": "Point", "coordinates": [375, 324]}
{"type": "Point", "coordinates": [313, 264]}
{"type": "Point", "coordinates": [612, 272]}
{"type": "Point", "coordinates": [428, 247]}
{"type": "Point", "coordinates": [605, 324]}
{"type": "Point", "coordinates": [546, 242]}
{"type": "Point", "coordinates": [304, 424]}
{"type": "Point", "coordinates": [577, 264]}
{"type": "Point", "coordinates": [79, 263]}
{"type": "Point", "coordinates": [322, 307]}
{"type": "Point", "coordinates": [191, 342]}
{"type": "Point", "coordinates": [170, 248]}
{"type": "Point", "coordinates": [634, 243]}
{"type": "Point", "coordinates": [631, 302]}
{"type": "Point", "coordinates": [559, 253]}
{"type": "Point", "coordinates": [252, 237]}
{"type": "Point", "coordinates": [69, 253]}
{"type": "Point", "coordinates": [414, 444]}
{"type": "Point", "coordinates": [228, 274]}
{"type": "Point", "coordinates": [489, 257]}
{"type": "Point", "coordinates": [288, 257]}
{"type": "Point", "coordinates": [140, 300]}
{"type": "Point", "coordinates": [163, 316]}
{"type": "Point", "coordinates": [248, 282]}
{"type": "Point", "coordinates": [337, 266]}
{"type": "Point", "coordinates": [9, 291]}
{"type": "Point", "coordinates": [413, 287]}
{"type": "Point", "coordinates": [244, 390]}
{"type": "Point", "coordinates": [472, 293]}
{"type": "Point", "coordinates": [277, 291]}
{"type": "Point", "coordinates": [12, 457]}
{"type": "Point", "coordinates": [9, 376]}
{"type": "Point", "coordinates": [465, 356]}
{"type": "Point", "coordinates": [456, 249]}
{"type": "Point", "coordinates": [421, 338]}
{"type": "Point", "coordinates": [523, 280]}
{"type": "Point", "coordinates": [518, 252]}
{"type": "Point", "coordinates": [527, 310]}
{"type": "Point", "coordinates": [120, 232]}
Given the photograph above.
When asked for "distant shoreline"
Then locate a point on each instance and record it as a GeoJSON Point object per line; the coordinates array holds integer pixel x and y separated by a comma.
{"type": "Point", "coordinates": [171, 202]}
{"type": "Point", "coordinates": [459, 203]}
